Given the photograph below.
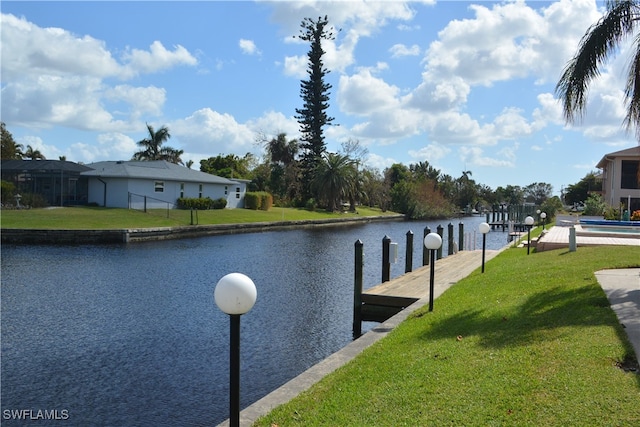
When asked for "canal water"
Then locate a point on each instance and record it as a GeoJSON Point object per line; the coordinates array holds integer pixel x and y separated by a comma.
{"type": "Point", "coordinates": [129, 335]}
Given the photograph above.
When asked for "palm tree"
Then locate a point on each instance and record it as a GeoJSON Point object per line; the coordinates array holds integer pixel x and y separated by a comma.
{"type": "Point", "coordinates": [10, 148]}
{"type": "Point", "coordinates": [33, 154]}
{"type": "Point", "coordinates": [281, 150]}
{"type": "Point", "coordinates": [152, 148]}
{"type": "Point", "coordinates": [599, 42]}
{"type": "Point", "coordinates": [335, 178]}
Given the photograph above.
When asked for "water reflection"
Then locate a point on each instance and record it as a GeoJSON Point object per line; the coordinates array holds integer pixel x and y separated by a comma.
{"type": "Point", "coordinates": [130, 335]}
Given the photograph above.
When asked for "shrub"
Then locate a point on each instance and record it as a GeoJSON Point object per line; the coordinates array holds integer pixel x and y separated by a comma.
{"type": "Point", "coordinates": [220, 203]}
{"type": "Point", "coordinates": [7, 191]}
{"type": "Point", "coordinates": [258, 200]}
{"type": "Point", "coordinates": [594, 205]}
{"type": "Point", "coordinates": [199, 203]}
{"type": "Point", "coordinates": [611, 213]}
{"type": "Point", "coordinates": [266, 201]}
{"type": "Point", "coordinates": [635, 216]}
{"type": "Point", "coordinates": [33, 200]}
{"type": "Point", "coordinates": [311, 204]}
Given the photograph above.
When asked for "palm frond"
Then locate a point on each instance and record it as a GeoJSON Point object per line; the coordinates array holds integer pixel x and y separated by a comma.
{"type": "Point", "coordinates": [632, 92]}
{"type": "Point", "coordinates": [600, 41]}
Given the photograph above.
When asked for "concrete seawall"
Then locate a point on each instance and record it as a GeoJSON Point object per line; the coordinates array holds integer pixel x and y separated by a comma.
{"type": "Point", "coordinates": [130, 235]}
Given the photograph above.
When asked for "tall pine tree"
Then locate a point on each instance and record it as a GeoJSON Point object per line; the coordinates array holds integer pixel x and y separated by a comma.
{"type": "Point", "coordinates": [312, 117]}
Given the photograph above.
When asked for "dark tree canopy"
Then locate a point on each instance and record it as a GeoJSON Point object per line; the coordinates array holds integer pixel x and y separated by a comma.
{"type": "Point", "coordinates": [10, 149]}
{"type": "Point", "coordinates": [314, 91]}
{"type": "Point", "coordinates": [229, 166]}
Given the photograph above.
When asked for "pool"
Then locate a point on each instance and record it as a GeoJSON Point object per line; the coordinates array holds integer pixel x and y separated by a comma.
{"type": "Point", "coordinates": [608, 228]}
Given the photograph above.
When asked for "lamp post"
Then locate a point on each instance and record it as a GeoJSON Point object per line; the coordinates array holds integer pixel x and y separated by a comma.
{"type": "Point", "coordinates": [432, 241]}
{"type": "Point", "coordinates": [543, 215]}
{"type": "Point", "coordinates": [528, 221]}
{"type": "Point", "coordinates": [235, 294]}
{"type": "Point", "coordinates": [484, 229]}
{"type": "Point", "coordinates": [538, 215]}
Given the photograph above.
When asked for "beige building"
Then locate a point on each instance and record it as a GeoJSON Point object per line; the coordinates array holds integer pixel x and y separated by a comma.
{"type": "Point", "coordinates": [621, 178]}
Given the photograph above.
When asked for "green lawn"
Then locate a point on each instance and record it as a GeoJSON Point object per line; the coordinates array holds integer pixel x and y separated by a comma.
{"type": "Point", "coordinates": [88, 218]}
{"type": "Point", "coordinates": [531, 342]}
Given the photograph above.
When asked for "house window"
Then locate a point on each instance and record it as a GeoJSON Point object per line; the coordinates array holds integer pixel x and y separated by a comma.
{"type": "Point", "coordinates": [237, 189]}
{"type": "Point", "coordinates": [237, 195]}
{"type": "Point", "coordinates": [182, 190]}
{"type": "Point", "coordinates": [159, 187]}
{"type": "Point", "coordinates": [200, 190]}
{"type": "Point", "coordinates": [226, 190]}
{"type": "Point", "coordinates": [630, 178]}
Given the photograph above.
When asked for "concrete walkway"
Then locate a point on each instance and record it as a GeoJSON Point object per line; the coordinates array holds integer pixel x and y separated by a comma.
{"type": "Point", "coordinates": [558, 238]}
{"type": "Point", "coordinates": [623, 290]}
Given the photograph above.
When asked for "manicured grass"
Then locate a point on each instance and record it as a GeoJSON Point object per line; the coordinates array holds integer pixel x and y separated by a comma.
{"type": "Point", "coordinates": [88, 218]}
{"type": "Point", "coordinates": [532, 341]}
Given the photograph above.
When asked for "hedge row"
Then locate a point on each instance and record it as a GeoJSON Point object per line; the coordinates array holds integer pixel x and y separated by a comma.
{"type": "Point", "coordinates": [201, 203]}
{"type": "Point", "coordinates": [258, 200]}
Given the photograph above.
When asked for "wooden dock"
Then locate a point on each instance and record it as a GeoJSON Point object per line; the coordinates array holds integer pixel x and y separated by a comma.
{"type": "Point", "coordinates": [382, 301]}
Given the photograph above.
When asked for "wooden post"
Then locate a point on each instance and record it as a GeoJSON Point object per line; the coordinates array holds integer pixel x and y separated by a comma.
{"type": "Point", "coordinates": [461, 237]}
{"type": "Point", "coordinates": [357, 289]}
{"type": "Point", "coordinates": [386, 265]}
{"type": "Point", "coordinates": [425, 251]}
{"type": "Point", "coordinates": [440, 232]}
{"type": "Point", "coordinates": [408, 258]}
{"type": "Point", "coordinates": [450, 250]}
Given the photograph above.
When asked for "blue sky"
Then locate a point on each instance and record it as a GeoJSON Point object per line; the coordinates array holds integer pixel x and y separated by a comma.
{"type": "Point", "coordinates": [462, 85]}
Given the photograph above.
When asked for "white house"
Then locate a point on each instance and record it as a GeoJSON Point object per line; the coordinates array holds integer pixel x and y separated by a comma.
{"type": "Point", "coordinates": [156, 184]}
{"type": "Point", "coordinates": [621, 178]}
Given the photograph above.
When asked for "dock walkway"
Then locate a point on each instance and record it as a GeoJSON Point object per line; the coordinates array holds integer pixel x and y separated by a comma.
{"type": "Point", "coordinates": [386, 299]}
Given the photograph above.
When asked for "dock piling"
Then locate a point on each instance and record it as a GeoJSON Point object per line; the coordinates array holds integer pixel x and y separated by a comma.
{"type": "Point", "coordinates": [386, 264]}
{"type": "Point", "coordinates": [357, 289]}
{"type": "Point", "coordinates": [408, 259]}
{"type": "Point", "coordinates": [440, 231]}
{"type": "Point", "coordinates": [450, 248]}
{"type": "Point", "coordinates": [425, 252]}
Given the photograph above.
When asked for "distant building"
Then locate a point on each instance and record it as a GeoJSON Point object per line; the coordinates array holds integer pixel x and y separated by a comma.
{"type": "Point", "coordinates": [621, 178]}
{"type": "Point", "coordinates": [119, 184]}
{"type": "Point", "coordinates": [59, 182]}
{"type": "Point", "coordinates": [156, 184]}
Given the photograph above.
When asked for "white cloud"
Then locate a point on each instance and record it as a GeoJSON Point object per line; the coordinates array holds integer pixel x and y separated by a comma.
{"type": "Point", "coordinates": [431, 153]}
{"type": "Point", "coordinates": [400, 50]}
{"type": "Point", "coordinates": [53, 77]}
{"type": "Point", "coordinates": [474, 156]}
{"type": "Point", "coordinates": [207, 131]}
{"type": "Point", "coordinates": [248, 47]}
{"type": "Point", "coordinates": [364, 94]}
{"type": "Point", "coordinates": [510, 40]}
{"type": "Point", "coordinates": [376, 161]}
{"type": "Point", "coordinates": [30, 51]}
{"type": "Point", "coordinates": [157, 58]}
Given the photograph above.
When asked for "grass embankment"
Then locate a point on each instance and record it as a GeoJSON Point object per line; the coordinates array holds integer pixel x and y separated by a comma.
{"type": "Point", "coordinates": [88, 218]}
{"type": "Point", "coordinates": [532, 341]}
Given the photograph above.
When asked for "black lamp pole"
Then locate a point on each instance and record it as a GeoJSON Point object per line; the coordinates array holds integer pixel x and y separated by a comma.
{"type": "Point", "coordinates": [431, 277]}
{"type": "Point", "coordinates": [484, 245]}
{"type": "Point", "coordinates": [234, 368]}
